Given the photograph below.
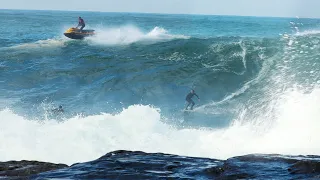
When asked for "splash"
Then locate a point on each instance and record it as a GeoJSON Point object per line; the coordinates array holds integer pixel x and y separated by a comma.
{"type": "Point", "coordinates": [308, 32]}
{"type": "Point", "coordinates": [122, 35]}
{"type": "Point", "coordinates": [125, 35]}
{"type": "Point", "coordinates": [41, 44]}
{"type": "Point", "coordinates": [295, 131]}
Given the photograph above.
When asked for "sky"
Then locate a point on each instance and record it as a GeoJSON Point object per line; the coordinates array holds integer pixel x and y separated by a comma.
{"type": "Point", "coordinates": [274, 8]}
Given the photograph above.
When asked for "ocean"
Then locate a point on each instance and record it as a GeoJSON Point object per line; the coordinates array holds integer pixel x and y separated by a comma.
{"type": "Point", "coordinates": [258, 80]}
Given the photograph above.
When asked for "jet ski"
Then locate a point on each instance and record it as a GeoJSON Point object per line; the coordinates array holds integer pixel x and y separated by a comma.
{"type": "Point", "coordinates": [75, 33]}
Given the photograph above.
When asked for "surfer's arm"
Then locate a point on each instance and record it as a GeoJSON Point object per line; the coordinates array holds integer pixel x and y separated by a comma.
{"type": "Point", "coordinates": [196, 95]}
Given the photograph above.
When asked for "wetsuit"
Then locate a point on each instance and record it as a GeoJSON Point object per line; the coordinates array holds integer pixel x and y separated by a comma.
{"type": "Point", "coordinates": [58, 110]}
{"type": "Point", "coordinates": [189, 99]}
{"type": "Point", "coordinates": [81, 23]}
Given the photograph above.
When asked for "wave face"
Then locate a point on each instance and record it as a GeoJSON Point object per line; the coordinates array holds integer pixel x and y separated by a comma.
{"type": "Point", "coordinates": [125, 88]}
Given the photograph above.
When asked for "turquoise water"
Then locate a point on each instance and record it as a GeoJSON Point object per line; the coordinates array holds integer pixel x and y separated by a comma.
{"type": "Point", "coordinates": [125, 87]}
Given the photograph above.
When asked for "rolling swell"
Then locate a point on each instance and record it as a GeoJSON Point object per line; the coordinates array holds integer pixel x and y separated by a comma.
{"type": "Point", "coordinates": [125, 90]}
{"type": "Point", "coordinates": [136, 73]}
{"type": "Point", "coordinates": [250, 91]}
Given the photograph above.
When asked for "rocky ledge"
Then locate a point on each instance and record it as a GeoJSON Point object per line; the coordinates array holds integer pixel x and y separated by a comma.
{"type": "Point", "coordinates": [140, 165]}
{"type": "Point", "coordinates": [25, 169]}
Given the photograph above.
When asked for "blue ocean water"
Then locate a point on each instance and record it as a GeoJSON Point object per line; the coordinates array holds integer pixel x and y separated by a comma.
{"type": "Point", "coordinates": [124, 88]}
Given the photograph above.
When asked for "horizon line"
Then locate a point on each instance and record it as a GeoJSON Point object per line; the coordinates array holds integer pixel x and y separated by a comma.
{"type": "Point", "coordinates": [162, 13]}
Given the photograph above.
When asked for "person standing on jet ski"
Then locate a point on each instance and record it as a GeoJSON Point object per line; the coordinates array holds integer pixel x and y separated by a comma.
{"type": "Point", "coordinates": [81, 23]}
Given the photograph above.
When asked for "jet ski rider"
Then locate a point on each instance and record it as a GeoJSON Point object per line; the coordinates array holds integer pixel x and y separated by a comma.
{"type": "Point", "coordinates": [81, 23]}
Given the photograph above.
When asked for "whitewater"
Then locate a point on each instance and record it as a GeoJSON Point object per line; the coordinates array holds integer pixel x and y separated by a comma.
{"type": "Point", "coordinates": [125, 87]}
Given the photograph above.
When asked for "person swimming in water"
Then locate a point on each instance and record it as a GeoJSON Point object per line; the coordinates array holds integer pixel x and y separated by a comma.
{"type": "Point", "coordinates": [81, 23]}
{"type": "Point", "coordinates": [189, 99]}
{"type": "Point", "coordinates": [58, 110]}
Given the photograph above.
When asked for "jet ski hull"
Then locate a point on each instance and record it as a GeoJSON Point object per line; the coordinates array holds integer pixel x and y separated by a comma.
{"type": "Point", "coordinates": [74, 33]}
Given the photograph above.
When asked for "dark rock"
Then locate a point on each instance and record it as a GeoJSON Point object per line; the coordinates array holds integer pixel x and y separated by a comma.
{"type": "Point", "coordinates": [303, 167]}
{"type": "Point", "coordinates": [216, 171]}
{"type": "Point", "coordinates": [171, 167]}
{"type": "Point", "coordinates": [140, 165]}
{"type": "Point", "coordinates": [24, 169]}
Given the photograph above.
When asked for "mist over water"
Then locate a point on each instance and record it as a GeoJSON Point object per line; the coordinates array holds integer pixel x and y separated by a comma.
{"type": "Point", "coordinates": [125, 87]}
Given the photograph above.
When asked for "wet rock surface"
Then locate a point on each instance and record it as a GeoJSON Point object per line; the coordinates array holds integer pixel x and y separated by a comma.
{"type": "Point", "coordinates": [24, 169]}
{"type": "Point", "coordinates": [140, 165]}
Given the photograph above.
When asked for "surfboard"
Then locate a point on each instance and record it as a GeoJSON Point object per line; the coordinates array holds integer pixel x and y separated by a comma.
{"type": "Point", "coordinates": [187, 110]}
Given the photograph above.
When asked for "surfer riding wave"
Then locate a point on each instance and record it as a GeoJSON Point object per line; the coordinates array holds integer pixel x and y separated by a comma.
{"type": "Point", "coordinates": [189, 99]}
